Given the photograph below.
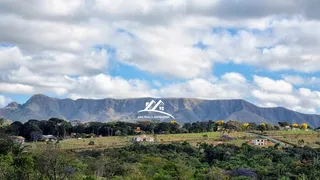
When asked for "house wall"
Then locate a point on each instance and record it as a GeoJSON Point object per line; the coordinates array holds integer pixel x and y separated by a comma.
{"type": "Point", "coordinates": [259, 142]}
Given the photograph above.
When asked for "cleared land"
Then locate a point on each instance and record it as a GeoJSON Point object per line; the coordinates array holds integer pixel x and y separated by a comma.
{"type": "Point", "coordinates": [120, 141]}
{"type": "Point", "coordinates": [310, 138]}
{"type": "Point", "coordinates": [293, 136]}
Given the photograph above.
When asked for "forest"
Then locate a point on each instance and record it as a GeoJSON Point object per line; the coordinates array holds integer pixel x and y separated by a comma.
{"type": "Point", "coordinates": [159, 162]}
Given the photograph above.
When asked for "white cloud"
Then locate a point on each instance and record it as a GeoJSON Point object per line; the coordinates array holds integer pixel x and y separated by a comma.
{"type": "Point", "coordinates": [234, 78]}
{"type": "Point", "coordinates": [58, 47]}
{"type": "Point", "coordinates": [230, 86]}
{"type": "Point", "coordinates": [305, 92]}
{"type": "Point", "coordinates": [200, 88]}
{"type": "Point", "coordinates": [51, 62]}
{"type": "Point", "coordinates": [302, 99]}
{"type": "Point", "coordinates": [164, 33]}
{"type": "Point", "coordinates": [4, 101]}
{"type": "Point", "coordinates": [16, 88]}
{"type": "Point", "coordinates": [25, 76]}
{"type": "Point", "coordinates": [296, 80]}
{"type": "Point", "coordinates": [167, 51]}
{"type": "Point", "coordinates": [305, 81]}
{"type": "Point", "coordinates": [268, 84]}
{"type": "Point", "coordinates": [286, 99]}
{"type": "Point", "coordinates": [268, 104]}
{"type": "Point", "coordinates": [101, 86]}
{"type": "Point", "coordinates": [10, 58]}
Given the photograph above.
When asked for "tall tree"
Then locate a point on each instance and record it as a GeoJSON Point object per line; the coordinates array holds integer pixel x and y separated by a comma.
{"type": "Point", "coordinates": [55, 164]}
{"type": "Point", "coordinates": [16, 128]}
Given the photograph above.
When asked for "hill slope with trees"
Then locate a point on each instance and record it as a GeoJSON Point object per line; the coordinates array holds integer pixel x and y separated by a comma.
{"type": "Point", "coordinates": [184, 109]}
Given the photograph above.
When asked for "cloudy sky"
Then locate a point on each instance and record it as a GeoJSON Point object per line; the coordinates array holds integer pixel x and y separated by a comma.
{"type": "Point", "coordinates": [267, 52]}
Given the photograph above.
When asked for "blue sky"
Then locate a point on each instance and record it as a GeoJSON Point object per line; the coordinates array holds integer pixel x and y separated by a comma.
{"type": "Point", "coordinates": [266, 54]}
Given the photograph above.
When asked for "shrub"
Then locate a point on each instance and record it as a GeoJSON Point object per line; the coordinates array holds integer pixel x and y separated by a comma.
{"type": "Point", "coordinates": [225, 138]}
{"type": "Point", "coordinates": [91, 142]}
{"type": "Point", "coordinates": [242, 172]}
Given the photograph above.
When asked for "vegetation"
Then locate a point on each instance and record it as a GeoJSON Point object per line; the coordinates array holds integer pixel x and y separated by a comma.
{"type": "Point", "coordinates": [159, 161]}
{"type": "Point", "coordinates": [309, 138]}
{"type": "Point", "coordinates": [188, 151]}
{"type": "Point", "coordinates": [32, 130]}
{"type": "Point", "coordinates": [1, 121]}
{"type": "Point", "coordinates": [120, 141]}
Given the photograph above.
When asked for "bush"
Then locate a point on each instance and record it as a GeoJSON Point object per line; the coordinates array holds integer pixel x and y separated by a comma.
{"type": "Point", "coordinates": [242, 172]}
{"type": "Point", "coordinates": [91, 178]}
{"type": "Point", "coordinates": [91, 142]}
{"type": "Point", "coordinates": [205, 136]}
{"type": "Point", "coordinates": [225, 138]}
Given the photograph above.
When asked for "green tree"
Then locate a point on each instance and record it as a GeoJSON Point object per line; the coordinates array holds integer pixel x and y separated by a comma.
{"type": "Point", "coordinates": [253, 126]}
{"type": "Point", "coordinates": [262, 127]}
{"type": "Point", "coordinates": [2, 121]}
{"type": "Point", "coordinates": [283, 124]}
{"type": "Point", "coordinates": [16, 128]}
{"type": "Point", "coordinates": [117, 133]}
{"type": "Point", "coordinates": [24, 167]}
{"type": "Point", "coordinates": [233, 125]}
{"type": "Point", "coordinates": [7, 171]}
{"type": "Point", "coordinates": [29, 127]}
{"type": "Point", "coordinates": [162, 127]}
{"type": "Point", "coordinates": [187, 126]}
{"type": "Point", "coordinates": [55, 164]}
{"type": "Point", "coordinates": [6, 144]}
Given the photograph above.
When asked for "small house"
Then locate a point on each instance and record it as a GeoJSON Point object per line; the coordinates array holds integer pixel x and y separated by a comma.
{"type": "Point", "coordinates": [143, 138]}
{"type": "Point", "coordinates": [49, 138]}
{"type": "Point", "coordinates": [18, 139]}
{"type": "Point", "coordinates": [261, 142]}
{"type": "Point", "coordinates": [286, 128]}
{"type": "Point", "coordinates": [295, 129]}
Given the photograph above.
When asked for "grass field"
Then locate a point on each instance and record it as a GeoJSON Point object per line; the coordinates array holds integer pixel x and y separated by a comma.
{"type": "Point", "coordinates": [292, 132]}
{"type": "Point", "coordinates": [310, 137]}
{"type": "Point", "coordinates": [120, 141]}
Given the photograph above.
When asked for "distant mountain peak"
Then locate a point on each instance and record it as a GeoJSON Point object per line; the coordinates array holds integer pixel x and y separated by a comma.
{"type": "Point", "coordinates": [39, 96]}
{"type": "Point", "coordinates": [184, 110]}
{"type": "Point", "coordinates": [13, 105]}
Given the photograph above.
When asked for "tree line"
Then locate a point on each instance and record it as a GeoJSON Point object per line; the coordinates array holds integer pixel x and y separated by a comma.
{"type": "Point", "coordinates": [33, 130]}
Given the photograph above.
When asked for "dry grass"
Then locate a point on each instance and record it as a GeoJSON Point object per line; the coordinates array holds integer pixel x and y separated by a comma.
{"type": "Point", "coordinates": [310, 137]}
{"type": "Point", "coordinates": [120, 141]}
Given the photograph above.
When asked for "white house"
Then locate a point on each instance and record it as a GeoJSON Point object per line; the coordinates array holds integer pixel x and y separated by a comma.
{"type": "Point", "coordinates": [259, 142]}
{"type": "Point", "coordinates": [18, 139]}
{"type": "Point", "coordinates": [49, 138]}
{"type": "Point", "coordinates": [143, 138]}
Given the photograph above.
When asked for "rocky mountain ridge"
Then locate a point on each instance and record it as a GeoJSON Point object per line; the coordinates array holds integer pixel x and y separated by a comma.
{"type": "Point", "coordinates": [183, 109]}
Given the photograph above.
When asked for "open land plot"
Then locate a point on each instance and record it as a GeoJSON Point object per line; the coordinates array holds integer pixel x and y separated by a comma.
{"type": "Point", "coordinates": [286, 132]}
{"type": "Point", "coordinates": [310, 138]}
{"type": "Point", "coordinates": [120, 141]}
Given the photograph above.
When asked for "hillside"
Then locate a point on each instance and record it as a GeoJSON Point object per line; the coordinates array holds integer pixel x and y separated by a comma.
{"type": "Point", "coordinates": [184, 109]}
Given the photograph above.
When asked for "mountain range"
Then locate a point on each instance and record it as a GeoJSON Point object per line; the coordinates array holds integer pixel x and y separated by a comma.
{"type": "Point", "coordinates": [183, 109]}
